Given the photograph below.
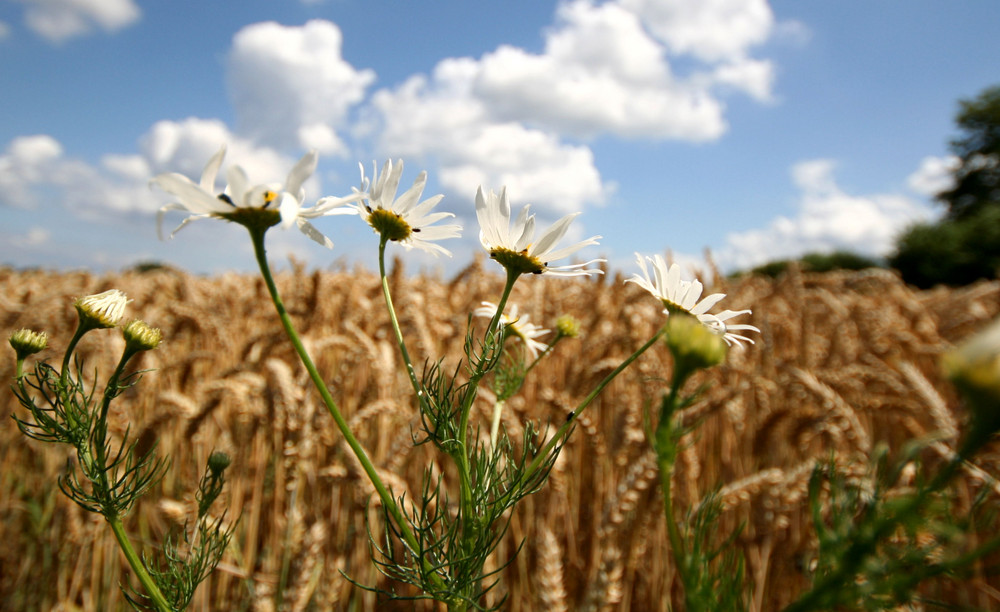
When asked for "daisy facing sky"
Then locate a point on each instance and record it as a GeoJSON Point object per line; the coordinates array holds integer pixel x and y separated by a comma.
{"type": "Point", "coordinates": [515, 248]}
{"type": "Point", "coordinates": [285, 201]}
{"type": "Point", "coordinates": [681, 296]}
{"type": "Point", "coordinates": [405, 219]}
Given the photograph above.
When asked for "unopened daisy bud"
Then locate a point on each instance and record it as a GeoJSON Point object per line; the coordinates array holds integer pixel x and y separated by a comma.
{"type": "Point", "coordinates": [693, 345]}
{"type": "Point", "coordinates": [218, 462]}
{"type": "Point", "coordinates": [974, 367]}
{"type": "Point", "coordinates": [26, 342]}
{"type": "Point", "coordinates": [102, 310]}
{"type": "Point", "coordinates": [568, 326]}
{"type": "Point", "coordinates": [139, 336]}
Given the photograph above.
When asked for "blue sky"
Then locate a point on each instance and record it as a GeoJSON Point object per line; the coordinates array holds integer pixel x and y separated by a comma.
{"type": "Point", "coordinates": [757, 130]}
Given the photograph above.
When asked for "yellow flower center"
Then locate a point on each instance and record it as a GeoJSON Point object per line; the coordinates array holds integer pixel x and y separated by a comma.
{"type": "Point", "coordinates": [389, 224]}
{"type": "Point", "coordinates": [518, 261]}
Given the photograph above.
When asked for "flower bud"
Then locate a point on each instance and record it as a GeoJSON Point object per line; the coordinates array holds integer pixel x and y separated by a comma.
{"type": "Point", "coordinates": [568, 326]}
{"type": "Point", "coordinates": [102, 310]}
{"type": "Point", "coordinates": [139, 336]}
{"type": "Point", "coordinates": [26, 342]}
{"type": "Point", "coordinates": [218, 462]}
{"type": "Point", "coordinates": [693, 345]}
{"type": "Point", "coordinates": [974, 367]}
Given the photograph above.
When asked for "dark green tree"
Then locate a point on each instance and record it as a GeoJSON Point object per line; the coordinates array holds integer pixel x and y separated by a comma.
{"type": "Point", "coordinates": [977, 179]}
{"type": "Point", "coordinates": [965, 245]}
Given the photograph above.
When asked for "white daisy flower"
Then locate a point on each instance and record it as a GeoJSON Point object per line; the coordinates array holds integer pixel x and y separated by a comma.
{"type": "Point", "coordinates": [515, 247]}
{"type": "Point", "coordinates": [405, 219]}
{"type": "Point", "coordinates": [683, 296]}
{"type": "Point", "coordinates": [283, 202]}
{"type": "Point", "coordinates": [519, 325]}
{"type": "Point", "coordinates": [102, 310]}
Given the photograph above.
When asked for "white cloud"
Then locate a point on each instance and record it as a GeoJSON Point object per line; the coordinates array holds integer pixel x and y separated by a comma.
{"type": "Point", "coordinates": [25, 162]}
{"type": "Point", "coordinates": [711, 30]}
{"type": "Point", "coordinates": [604, 70]}
{"type": "Point", "coordinates": [60, 20]}
{"type": "Point", "coordinates": [934, 175]}
{"type": "Point", "coordinates": [827, 219]}
{"type": "Point", "coordinates": [4, 30]}
{"type": "Point", "coordinates": [35, 172]}
{"type": "Point", "coordinates": [35, 236]}
{"type": "Point", "coordinates": [290, 85]}
{"type": "Point", "coordinates": [439, 119]}
{"type": "Point", "coordinates": [600, 73]}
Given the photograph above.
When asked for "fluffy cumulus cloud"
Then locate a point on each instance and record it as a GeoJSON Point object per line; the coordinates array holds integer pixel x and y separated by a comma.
{"type": "Point", "coordinates": [35, 172]}
{"type": "Point", "coordinates": [517, 118]}
{"type": "Point", "coordinates": [59, 20]}
{"type": "Point", "coordinates": [711, 30]}
{"type": "Point", "coordinates": [934, 175]}
{"type": "Point", "coordinates": [290, 85]}
{"type": "Point", "coordinates": [440, 119]}
{"type": "Point", "coordinates": [827, 219]}
{"type": "Point", "coordinates": [600, 72]}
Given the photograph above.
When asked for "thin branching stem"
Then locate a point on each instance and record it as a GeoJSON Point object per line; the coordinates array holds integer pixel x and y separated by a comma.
{"type": "Point", "coordinates": [863, 545]}
{"type": "Point", "coordinates": [543, 455]}
{"type": "Point", "coordinates": [465, 480]}
{"type": "Point", "coordinates": [387, 499]}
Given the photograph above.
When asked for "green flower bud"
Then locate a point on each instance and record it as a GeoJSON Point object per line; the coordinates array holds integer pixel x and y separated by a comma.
{"type": "Point", "coordinates": [693, 345]}
{"type": "Point", "coordinates": [218, 462]}
{"type": "Point", "coordinates": [26, 342]}
{"type": "Point", "coordinates": [139, 336]}
{"type": "Point", "coordinates": [974, 367]}
{"type": "Point", "coordinates": [102, 310]}
{"type": "Point", "coordinates": [568, 326]}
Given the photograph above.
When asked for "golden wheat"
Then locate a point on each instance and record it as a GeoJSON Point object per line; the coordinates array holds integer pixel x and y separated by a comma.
{"type": "Point", "coordinates": [845, 361]}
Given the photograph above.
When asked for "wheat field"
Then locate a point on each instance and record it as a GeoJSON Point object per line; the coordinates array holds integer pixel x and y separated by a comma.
{"type": "Point", "coordinates": [845, 361]}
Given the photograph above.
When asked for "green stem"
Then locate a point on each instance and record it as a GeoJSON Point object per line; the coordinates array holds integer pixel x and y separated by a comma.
{"type": "Point", "coordinates": [664, 442]}
{"type": "Point", "coordinates": [673, 532]}
{"type": "Point", "coordinates": [395, 321]}
{"type": "Point", "coordinates": [470, 395]}
{"type": "Point", "coordinates": [464, 465]}
{"type": "Point", "coordinates": [387, 500]}
{"type": "Point", "coordinates": [548, 349]}
{"type": "Point", "coordinates": [864, 545]}
{"type": "Point", "coordinates": [110, 392]}
{"type": "Point", "coordinates": [563, 431]}
{"type": "Point", "coordinates": [80, 331]}
{"type": "Point", "coordinates": [135, 562]}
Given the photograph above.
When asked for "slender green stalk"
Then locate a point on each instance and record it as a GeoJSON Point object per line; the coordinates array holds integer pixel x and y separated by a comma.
{"type": "Point", "coordinates": [866, 543]}
{"type": "Point", "coordinates": [387, 500]}
{"type": "Point", "coordinates": [470, 396]}
{"type": "Point", "coordinates": [677, 547]}
{"type": "Point", "coordinates": [665, 446]}
{"type": "Point", "coordinates": [101, 426]}
{"type": "Point", "coordinates": [395, 321]}
{"type": "Point", "coordinates": [465, 479]}
{"type": "Point", "coordinates": [564, 430]}
{"type": "Point", "coordinates": [81, 329]}
{"type": "Point", "coordinates": [152, 591]}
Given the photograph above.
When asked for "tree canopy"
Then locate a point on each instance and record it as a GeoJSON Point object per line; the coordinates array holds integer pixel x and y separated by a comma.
{"type": "Point", "coordinates": [965, 245]}
{"type": "Point", "coordinates": [977, 179]}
